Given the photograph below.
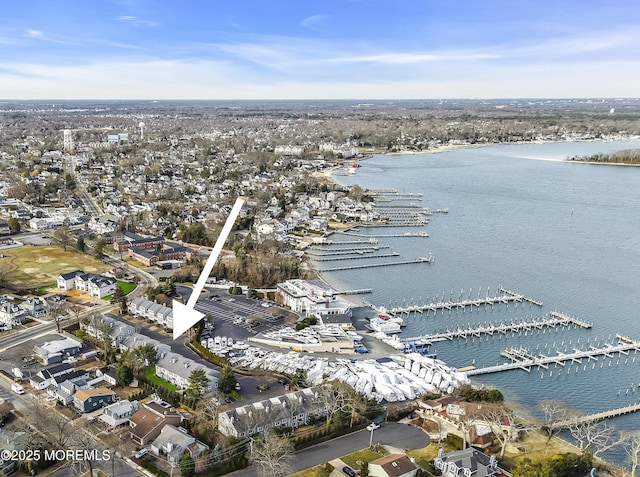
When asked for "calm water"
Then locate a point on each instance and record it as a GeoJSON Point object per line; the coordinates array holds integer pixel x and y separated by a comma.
{"type": "Point", "coordinates": [565, 234]}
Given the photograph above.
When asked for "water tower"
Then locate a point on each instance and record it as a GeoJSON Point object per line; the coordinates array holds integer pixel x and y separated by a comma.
{"type": "Point", "coordinates": [141, 125]}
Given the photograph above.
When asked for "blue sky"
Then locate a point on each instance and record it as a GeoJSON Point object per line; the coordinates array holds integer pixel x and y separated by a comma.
{"type": "Point", "coordinates": [318, 49]}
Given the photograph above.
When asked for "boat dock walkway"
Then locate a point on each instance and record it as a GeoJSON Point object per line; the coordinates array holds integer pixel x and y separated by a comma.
{"type": "Point", "coordinates": [347, 251]}
{"type": "Point", "coordinates": [506, 297]}
{"type": "Point", "coordinates": [324, 258]}
{"type": "Point", "coordinates": [360, 291]}
{"type": "Point", "coordinates": [598, 416]}
{"type": "Point", "coordinates": [406, 234]}
{"type": "Point", "coordinates": [554, 320]}
{"type": "Point", "coordinates": [521, 358]}
{"type": "Point", "coordinates": [372, 265]}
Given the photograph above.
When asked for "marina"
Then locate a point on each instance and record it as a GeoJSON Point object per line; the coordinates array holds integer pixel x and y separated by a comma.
{"type": "Point", "coordinates": [522, 358]}
{"type": "Point", "coordinates": [554, 320]}
{"type": "Point", "coordinates": [502, 296]}
{"type": "Point", "coordinates": [343, 250]}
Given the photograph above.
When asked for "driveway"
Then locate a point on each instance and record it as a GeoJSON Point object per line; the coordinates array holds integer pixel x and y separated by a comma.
{"type": "Point", "coordinates": [402, 436]}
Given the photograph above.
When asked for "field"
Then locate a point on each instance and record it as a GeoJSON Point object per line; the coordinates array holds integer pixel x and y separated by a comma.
{"type": "Point", "coordinates": [34, 266]}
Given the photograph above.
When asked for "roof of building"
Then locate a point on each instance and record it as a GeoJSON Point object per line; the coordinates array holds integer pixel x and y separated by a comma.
{"type": "Point", "coordinates": [85, 394]}
{"type": "Point", "coordinates": [395, 465]}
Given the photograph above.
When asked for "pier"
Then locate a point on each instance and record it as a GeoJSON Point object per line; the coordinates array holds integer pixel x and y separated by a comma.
{"type": "Point", "coordinates": [360, 291]}
{"type": "Point", "coordinates": [343, 250]}
{"type": "Point", "coordinates": [553, 321]}
{"type": "Point", "coordinates": [521, 358]}
{"type": "Point", "coordinates": [406, 234]}
{"type": "Point", "coordinates": [506, 297]}
{"type": "Point", "coordinates": [372, 265]}
{"type": "Point", "coordinates": [599, 416]}
{"type": "Point", "coordinates": [324, 258]}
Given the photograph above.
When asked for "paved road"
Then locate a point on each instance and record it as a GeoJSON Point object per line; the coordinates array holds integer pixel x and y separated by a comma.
{"type": "Point", "coordinates": [403, 436]}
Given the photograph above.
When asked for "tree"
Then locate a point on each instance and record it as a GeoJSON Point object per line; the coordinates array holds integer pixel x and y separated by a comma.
{"type": "Point", "coordinates": [207, 409]}
{"type": "Point", "coordinates": [631, 446]}
{"type": "Point", "coordinates": [227, 381]}
{"type": "Point", "coordinates": [187, 466]}
{"type": "Point", "coordinates": [56, 313]}
{"type": "Point", "coordinates": [81, 245]}
{"type": "Point", "coordinates": [272, 455]}
{"type": "Point", "coordinates": [98, 248]}
{"type": "Point", "coordinates": [124, 375]}
{"type": "Point", "coordinates": [148, 353]}
{"type": "Point", "coordinates": [198, 382]}
{"type": "Point", "coordinates": [14, 225]}
{"type": "Point", "coordinates": [62, 237]}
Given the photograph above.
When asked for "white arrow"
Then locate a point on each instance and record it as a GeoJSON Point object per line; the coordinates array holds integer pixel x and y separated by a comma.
{"type": "Point", "coordinates": [184, 316]}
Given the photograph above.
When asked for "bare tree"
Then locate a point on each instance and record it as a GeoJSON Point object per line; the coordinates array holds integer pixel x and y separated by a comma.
{"type": "Point", "coordinates": [56, 313]}
{"type": "Point", "coordinates": [599, 436]}
{"type": "Point", "coordinates": [272, 455]}
{"type": "Point", "coordinates": [631, 445]}
{"type": "Point", "coordinates": [207, 409]}
{"type": "Point", "coordinates": [336, 396]}
{"type": "Point", "coordinates": [62, 237]}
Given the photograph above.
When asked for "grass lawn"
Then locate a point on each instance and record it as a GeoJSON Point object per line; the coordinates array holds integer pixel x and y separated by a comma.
{"type": "Point", "coordinates": [317, 471]}
{"type": "Point", "coordinates": [364, 455]}
{"type": "Point", "coordinates": [32, 267]}
{"type": "Point", "coordinates": [126, 287]}
{"type": "Point", "coordinates": [150, 374]}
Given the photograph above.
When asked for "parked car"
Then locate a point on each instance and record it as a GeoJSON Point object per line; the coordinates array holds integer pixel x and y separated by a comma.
{"type": "Point", "coordinates": [349, 471]}
{"type": "Point", "coordinates": [238, 388]}
{"type": "Point", "coordinates": [373, 426]}
{"type": "Point", "coordinates": [141, 453]}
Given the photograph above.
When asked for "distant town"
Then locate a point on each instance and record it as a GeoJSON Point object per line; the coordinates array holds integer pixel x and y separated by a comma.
{"type": "Point", "coordinates": [108, 213]}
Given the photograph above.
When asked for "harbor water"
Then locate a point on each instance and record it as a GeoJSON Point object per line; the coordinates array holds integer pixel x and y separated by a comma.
{"type": "Point", "coordinates": [519, 216]}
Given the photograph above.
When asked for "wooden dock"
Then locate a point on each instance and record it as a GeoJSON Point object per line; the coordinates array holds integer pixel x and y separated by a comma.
{"type": "Point", "coordinates": [501, 328]}
{"type": "Point", "coordinates": [521, 358]}
{"type": "Point", "coordinates": [599, 416]}
{"type": "Point", "coordinates": [373, 265]}
{"type": "Point", "coordinates": [505, 298]}
{"type": "Point", "coordinates": [324, 258]}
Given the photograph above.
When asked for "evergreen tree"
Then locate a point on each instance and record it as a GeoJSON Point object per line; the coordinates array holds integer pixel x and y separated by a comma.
{"type": "Point", "coordinates": [198, 383]}
{"type": "Point", "coordinates": [187, 466]}
{"type": "Point", "coordinates": [124, 375]}
{"type": "Point", "coordinates": [227, 381]}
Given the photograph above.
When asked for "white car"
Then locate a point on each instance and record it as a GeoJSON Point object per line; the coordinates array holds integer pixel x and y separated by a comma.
{"type": "Point", "coordinates": [141, 453]}
{"type": "Point", "coordinates": [372, 427]}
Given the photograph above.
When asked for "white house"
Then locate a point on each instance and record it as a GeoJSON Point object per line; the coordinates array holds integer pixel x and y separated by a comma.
{"type": "Point", "coordinates": [11, 314]}
{"type": "Point", "coordinates": [119, 412]}
{"type": "Point", "coordinates": [177, 369]}
{"type": "Point", "coordinates": [174, 442]}
{"type": "Point", "coordinates": [96, 285]}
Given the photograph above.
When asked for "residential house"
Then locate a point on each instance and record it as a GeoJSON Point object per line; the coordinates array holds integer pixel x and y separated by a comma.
{"type": "Point", "coordinates": [174, 442]}
{"type": "Point", "coordinates": [468, 462]}
{"type": "Point", "coordinates": [56, 350]}
{"type": "Point", "coordinates": [161, 314]}
{"type": "Point", "coordinates": [34, 306]}
{"type": "Point", "coordinates": [43, 378]}
{"type": "Point", "coordinates": [147, 423]}
{"type": "Point", "coordinates": [177, 369]}
{"type": "Point", "coordinates": [95, 285]}
{"type": "Point", "coordinates": [64, 391]}
{"type": "Point", "coordinates": [393, 465]}
{"type": "Point", "coordinates": [11, 314]}
{"type": "Point", "coordinates": [293, 409]}
{"type": "Point", "coordinates": [119, 412]}
{"type": "Point", "coordinates": [87, 400]}
{"type": "Point", "coordinates": [11, 441]}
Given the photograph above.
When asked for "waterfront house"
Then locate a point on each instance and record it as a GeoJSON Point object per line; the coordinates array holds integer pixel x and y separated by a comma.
{"type": "Point", "coordinates": [312, 297]}
{"type": "Point", "coordinates": [468, 462]}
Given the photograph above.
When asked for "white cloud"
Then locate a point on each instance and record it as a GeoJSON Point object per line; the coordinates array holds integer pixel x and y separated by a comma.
{"type": "Point", "coordinates": [314, 22]}
{"type": "Point", "coordinates": [136, 22]}
{"type": "Point", "coordinates": [34, 33]}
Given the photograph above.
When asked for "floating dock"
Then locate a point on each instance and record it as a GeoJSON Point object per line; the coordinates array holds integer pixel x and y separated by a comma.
{"type": "Point", "coordinates": [506, 297]}
{"type": "Point", "coordinates": [554, 320]}
{"type": "Point", "coordinates": [323, 258]}
{"type": "Point", "coordinates": [521, 358]}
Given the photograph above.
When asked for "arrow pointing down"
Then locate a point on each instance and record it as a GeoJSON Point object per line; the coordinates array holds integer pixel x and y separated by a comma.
{"type": "Point", "coordinates": [184, 316]}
